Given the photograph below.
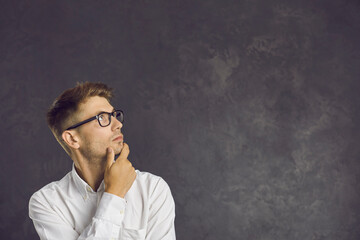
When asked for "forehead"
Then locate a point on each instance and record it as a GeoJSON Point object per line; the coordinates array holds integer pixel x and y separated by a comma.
{"type": "Point", "coordinates": [94, 105]}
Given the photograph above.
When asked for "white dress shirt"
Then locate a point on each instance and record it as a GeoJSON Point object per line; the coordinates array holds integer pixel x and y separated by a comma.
{"type": "Point", "coordinates": [70, 209]}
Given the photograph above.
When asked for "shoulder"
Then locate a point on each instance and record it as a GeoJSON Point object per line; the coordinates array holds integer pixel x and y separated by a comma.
{"type": "Point", "coordinates": [49, 192]}
{"type": "Point", "coordinates": [149, 178]}
{"type": "Point", "coordinates": [146, 176]}
{"type": "Point", "coordinates": [155, 184]}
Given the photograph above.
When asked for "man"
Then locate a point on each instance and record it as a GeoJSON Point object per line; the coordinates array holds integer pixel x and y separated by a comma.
{"type": "Point", "coordinates": [100, 198]}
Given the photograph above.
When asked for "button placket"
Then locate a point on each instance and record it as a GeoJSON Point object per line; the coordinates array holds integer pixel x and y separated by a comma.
{"type": "Point", "coordinates": [85, 197]}
{"type": "Point", "coordinates": [87, 191]}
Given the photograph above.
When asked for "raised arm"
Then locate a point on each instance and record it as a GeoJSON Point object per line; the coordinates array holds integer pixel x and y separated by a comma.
{"type": "Point", "coordinates": [50, 223]}
{"type": "Point", "coordinates": [49, 220]}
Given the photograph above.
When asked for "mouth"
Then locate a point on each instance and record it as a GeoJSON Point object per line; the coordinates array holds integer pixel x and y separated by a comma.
{"type": "Point", "coordinates": [118, 138]}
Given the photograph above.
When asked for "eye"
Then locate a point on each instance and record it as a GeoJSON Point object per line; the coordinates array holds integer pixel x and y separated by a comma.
{"type": "Point", "coordinates": [101, 117]}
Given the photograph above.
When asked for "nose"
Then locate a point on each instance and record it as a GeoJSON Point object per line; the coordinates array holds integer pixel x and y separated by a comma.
{"type": "Point", "coordinates": [116, 123]}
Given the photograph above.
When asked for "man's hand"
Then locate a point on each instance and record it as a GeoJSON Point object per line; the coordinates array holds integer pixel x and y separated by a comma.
{"type": "Point", "coordinates": [119, 175]}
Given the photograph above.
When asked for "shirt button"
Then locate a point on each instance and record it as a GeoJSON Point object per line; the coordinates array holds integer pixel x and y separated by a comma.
{"type": "Point", "coordinates": [88, 188]}
{"type": "Point", "coordinates": [121, 211]}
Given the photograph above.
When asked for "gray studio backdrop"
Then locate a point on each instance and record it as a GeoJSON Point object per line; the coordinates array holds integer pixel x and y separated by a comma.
{"type": "Point", "coordinates": [248, 109]}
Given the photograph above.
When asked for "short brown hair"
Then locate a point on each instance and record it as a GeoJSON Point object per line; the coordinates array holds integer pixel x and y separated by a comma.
{"type": "Point", "coordinates": [64, 106]}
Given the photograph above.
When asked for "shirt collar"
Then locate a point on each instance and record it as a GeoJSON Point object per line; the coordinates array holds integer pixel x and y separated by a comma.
{"type": "Point", "coordinates": [84, 188]}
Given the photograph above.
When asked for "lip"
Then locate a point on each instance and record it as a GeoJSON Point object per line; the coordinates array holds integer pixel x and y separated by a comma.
{"type": "Point", "coordinates": [119, 138]}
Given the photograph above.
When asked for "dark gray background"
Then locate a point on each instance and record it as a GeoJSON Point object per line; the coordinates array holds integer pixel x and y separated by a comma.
{"type": "Point", "coordinates": [248, 109]}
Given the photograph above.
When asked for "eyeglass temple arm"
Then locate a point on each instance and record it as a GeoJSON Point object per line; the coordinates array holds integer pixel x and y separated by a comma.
{"type": "Point", "coordinates": [81, 123]}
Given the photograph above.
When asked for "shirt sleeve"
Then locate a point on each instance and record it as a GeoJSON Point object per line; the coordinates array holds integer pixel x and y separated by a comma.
{"type": "Point", "coordinates": [106, 223]}
{"type": "Point", "coordinates": [161, 213]}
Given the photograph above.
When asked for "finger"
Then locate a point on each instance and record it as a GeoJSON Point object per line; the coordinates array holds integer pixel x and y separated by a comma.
{"type": "Point", "coordinates": [109, 157]}
{"type": "Point", "coordinates": [124, 153]}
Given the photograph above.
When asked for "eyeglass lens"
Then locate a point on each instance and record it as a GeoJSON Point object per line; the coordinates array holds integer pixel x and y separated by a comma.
{"type": "Point", "coordinates": [105, 118]}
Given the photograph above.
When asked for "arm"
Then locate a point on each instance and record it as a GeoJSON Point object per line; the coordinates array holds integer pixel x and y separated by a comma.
{"type": "Point", "coordinates": [162, 213]}
{"type": "Point", "coordinates": [105, 224]}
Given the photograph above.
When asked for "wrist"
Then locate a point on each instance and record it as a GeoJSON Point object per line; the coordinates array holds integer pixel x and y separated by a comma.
{"type": "Point", "coordinates": [117, 193]}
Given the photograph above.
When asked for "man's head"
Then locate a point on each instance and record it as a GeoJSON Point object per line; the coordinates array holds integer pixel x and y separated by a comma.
{"type": "Point", "coordinates": [80, 103]}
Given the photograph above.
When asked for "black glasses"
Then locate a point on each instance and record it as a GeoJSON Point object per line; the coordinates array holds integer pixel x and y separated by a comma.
{"type": "Point", "coordinates": [104, 119]}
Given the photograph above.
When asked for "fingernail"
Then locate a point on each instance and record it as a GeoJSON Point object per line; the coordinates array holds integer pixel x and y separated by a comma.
{"type": "Point", "coordinates": [109, 150]}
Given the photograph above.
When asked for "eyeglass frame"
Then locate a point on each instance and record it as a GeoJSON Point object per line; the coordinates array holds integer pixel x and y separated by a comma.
{"type": "Point", "coordinates": [111, 114]}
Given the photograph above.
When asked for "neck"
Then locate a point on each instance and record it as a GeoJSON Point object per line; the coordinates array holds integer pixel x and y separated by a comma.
{"type": "Point", "coordinates": [92, 172]}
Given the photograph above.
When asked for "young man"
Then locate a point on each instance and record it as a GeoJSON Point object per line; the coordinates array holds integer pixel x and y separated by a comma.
{"type": "Point", "coordinates": [100, 198]}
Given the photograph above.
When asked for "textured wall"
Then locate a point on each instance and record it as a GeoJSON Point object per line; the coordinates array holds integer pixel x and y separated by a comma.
{"type": "Point", "coordinates": [248, 109]}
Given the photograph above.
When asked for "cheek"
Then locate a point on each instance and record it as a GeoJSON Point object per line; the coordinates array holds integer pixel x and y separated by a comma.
{"type": "Point", "coordinates": [98, 139]}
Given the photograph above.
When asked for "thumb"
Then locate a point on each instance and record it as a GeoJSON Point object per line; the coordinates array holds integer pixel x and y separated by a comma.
{"type": "Point", "coordinates": [109, 157]}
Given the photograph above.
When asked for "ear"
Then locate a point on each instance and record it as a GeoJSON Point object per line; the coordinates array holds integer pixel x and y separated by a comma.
{"type": "Point", "coordinates": [70, 139]}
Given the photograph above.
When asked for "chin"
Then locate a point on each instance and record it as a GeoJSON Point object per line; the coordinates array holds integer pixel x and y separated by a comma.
{"type": "Point", "coordinates": [118, 148]}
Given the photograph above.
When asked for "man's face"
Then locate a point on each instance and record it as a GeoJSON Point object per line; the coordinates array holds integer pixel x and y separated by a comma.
{"type": "Point", "coordinates": [94, 139]}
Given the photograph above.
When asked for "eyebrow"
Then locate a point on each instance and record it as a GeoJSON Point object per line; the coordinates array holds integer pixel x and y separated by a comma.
{"type": "Point", "coordinates": [113, 109]}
